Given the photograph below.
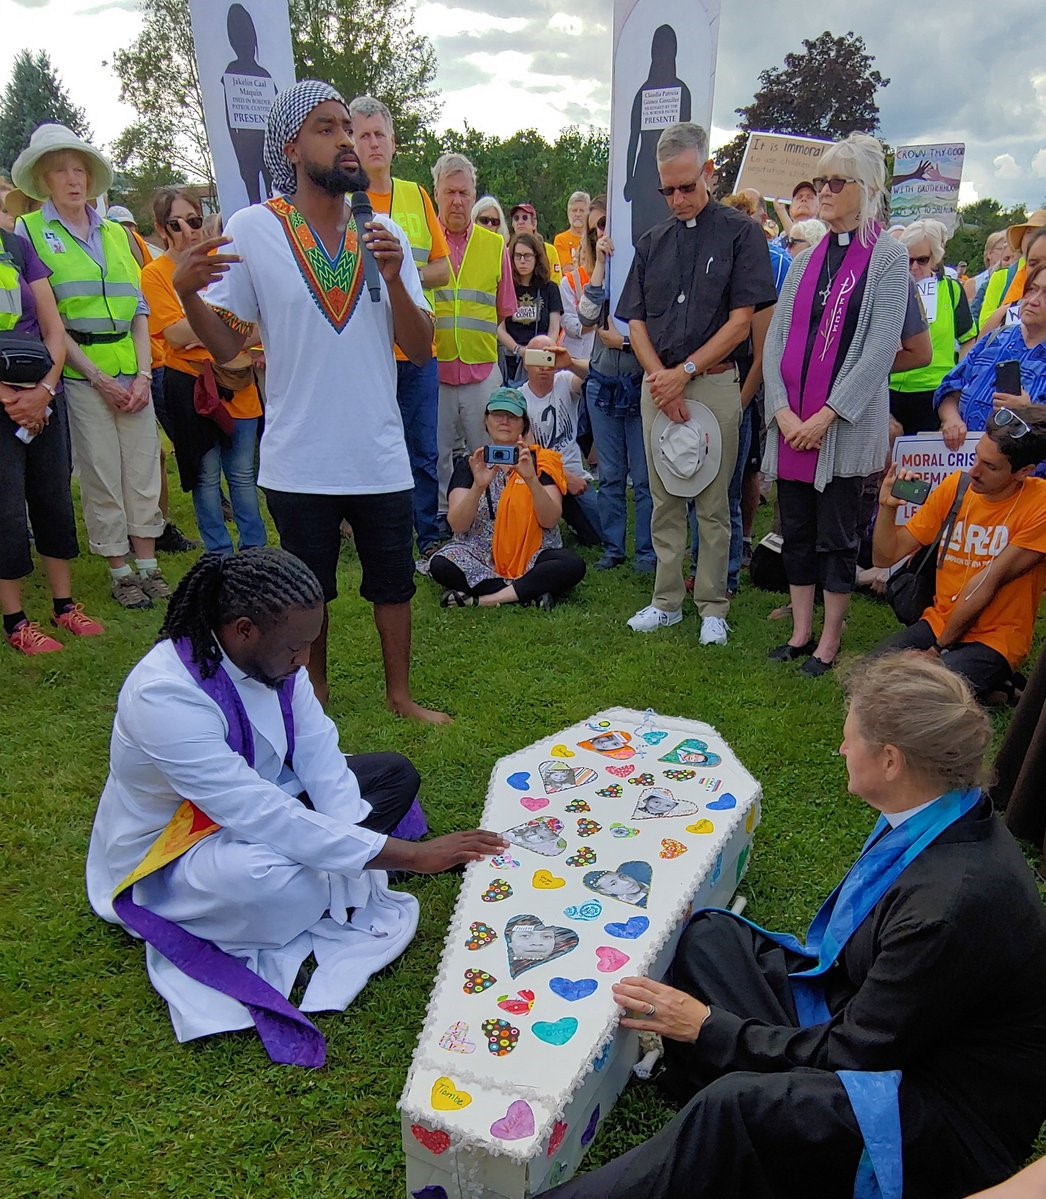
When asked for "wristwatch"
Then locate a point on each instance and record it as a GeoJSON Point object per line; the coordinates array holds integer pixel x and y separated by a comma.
{"type": "Point", "coordinates": [689, 369]}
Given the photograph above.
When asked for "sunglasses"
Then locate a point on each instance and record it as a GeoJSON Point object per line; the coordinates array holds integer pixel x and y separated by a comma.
{"type": "Point", "coordinates": [684, 189]}
{"type": "Point", "coordinates": [174, 225]}
{"type": "Point", "coordinates": [491, 222]}
{"type": "Point", "coordinates": [921, 260]}
{"type": "Point", "coordinates": [792, 242]}
{"type": "Point", "coordinates": [1007, 419]}
{"type": "Point", "coordinates": [835, 185]}
{"type": "Point", "coordinates": [601, 224]}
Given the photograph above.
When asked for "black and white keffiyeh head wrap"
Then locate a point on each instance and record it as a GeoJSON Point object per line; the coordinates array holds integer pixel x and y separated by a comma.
{"type": "Point", "coordinates": [286, 118]}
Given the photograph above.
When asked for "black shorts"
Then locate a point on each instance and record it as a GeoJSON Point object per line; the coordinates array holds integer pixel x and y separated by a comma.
{"type": "Point", "coordinates": [382, 528]}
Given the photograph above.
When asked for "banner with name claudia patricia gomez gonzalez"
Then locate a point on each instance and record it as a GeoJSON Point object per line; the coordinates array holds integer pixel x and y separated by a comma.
{"type": "Point", "coordinates": [244, 56]}
{"type": "Point", "coordinates": [664, 72]}
{"type": "Point", "coordinates": [926, 183]}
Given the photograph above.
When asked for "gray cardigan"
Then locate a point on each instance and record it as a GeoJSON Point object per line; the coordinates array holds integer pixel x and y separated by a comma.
{"type": "Point", "coordinates": [856, 444]}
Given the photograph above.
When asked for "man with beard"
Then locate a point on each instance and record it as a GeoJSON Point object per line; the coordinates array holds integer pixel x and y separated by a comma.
{"type": "Point", "coordinates": [233, 835]}
{"type": "Point", "coordinates": [333, 446]}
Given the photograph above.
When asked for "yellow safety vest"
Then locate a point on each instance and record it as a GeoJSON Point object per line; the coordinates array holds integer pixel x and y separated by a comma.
{"type": "Point", "coordinates": [10, 294]}
{"type": "Point", "coordinates": [90, 300]}
{"type": "Point", "coordinates": [467, 310]}
{"type": "Point", "coordinates": [407, 209]}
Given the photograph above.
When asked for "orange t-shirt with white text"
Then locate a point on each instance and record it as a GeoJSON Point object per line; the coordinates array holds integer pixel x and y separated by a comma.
{"type": "Point", "coordinates": [983, 529]}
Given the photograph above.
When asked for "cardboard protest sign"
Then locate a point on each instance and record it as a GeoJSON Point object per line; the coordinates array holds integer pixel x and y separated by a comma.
{"type": "Point", "coordinates": [774, 163]}
{"type": "Point", "coordinates": [926, 183]}
{"type": "Point", "coordinates": [926, 456]}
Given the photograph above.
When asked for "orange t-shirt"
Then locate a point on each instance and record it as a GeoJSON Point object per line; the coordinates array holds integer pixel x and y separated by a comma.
{"type": "Point", "coordinates": [567, 244]}
{"type": "Point", "coordinates": [383, 203]}
{"type": "Point", "coordinates": [983, 529]}
{"type": "Point", "coordinates": [165, 309]}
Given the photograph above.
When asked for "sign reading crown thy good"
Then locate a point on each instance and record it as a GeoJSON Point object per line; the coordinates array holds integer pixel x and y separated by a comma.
{"type": "Point", "coordinates": [617, 827]}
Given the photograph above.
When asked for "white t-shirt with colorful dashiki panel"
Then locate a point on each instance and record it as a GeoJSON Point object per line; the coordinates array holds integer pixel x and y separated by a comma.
{"type": "Point", "coordinates": [332, 423]}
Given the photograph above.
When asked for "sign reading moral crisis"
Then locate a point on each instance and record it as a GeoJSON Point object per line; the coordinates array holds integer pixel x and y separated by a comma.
{"type": "Point", "coordinates": [926, 456]}
{"type": "Point", "coordinates": [664, 72]}
{"type": "Point", "coordinates": [774, 163]}
{"type": "Point", "coordinates": [926, 183]}
{"type": "Point", "coordinates": [244, 56]}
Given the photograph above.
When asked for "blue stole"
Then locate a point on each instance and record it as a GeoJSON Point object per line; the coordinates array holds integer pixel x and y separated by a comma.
{"type": "Point", "coordinates": [873, 1095]}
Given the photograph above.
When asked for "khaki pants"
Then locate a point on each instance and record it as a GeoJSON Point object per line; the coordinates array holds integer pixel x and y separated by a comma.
{"type": "Point", "coordinates": [669, 529]}
{"type": "Point", "coordinates": [461, 419]}
{"type": "Point", "coordinates": [117, 459]}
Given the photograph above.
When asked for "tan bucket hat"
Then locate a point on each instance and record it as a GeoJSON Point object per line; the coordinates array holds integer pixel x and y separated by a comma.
{"type": "Point", "coordinates": [45, 140]}
{"type": "Point", "coordinates": [1016, 233]}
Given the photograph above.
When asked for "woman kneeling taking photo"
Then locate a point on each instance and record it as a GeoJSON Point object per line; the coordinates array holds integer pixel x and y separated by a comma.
{"type": "Point", "coordinates": [505, 518]}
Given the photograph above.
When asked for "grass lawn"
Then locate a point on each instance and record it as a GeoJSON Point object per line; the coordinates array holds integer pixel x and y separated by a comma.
{"type": "Point", "coordinates": [99, 1099]}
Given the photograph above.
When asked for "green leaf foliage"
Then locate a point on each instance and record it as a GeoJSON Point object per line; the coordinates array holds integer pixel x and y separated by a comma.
{"type": "Point", "coordinates": [34, 95]}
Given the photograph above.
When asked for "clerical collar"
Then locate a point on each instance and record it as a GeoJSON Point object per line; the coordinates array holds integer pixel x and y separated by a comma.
{"type": "Point", "coordinates": [897, 818]}
{"type": "Point", "coordinates": [692, 223]}
{"type": "Point", "coordinates": [841, 239]}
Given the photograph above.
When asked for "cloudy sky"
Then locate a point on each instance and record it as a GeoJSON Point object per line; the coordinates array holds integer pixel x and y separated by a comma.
{"type": "Point", "coordinates": [959, 72]}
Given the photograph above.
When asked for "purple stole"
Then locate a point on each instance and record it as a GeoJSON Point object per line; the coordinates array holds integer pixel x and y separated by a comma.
{"type": "Point", "coordinates": [806, 400]}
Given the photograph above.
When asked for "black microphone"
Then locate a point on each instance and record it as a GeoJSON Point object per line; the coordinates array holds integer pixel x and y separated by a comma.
{"type": "Point", "coordinates": [363, 213]}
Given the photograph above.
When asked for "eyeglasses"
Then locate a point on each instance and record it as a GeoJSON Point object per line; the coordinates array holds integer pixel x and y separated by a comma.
{"type": "Point", "coordinates": [1006, 418]}
{"type": "Point", "coordinates": [491, 222]}
{"type": "Point", "coordinates": [835, 185]}
{"type": "Point", "coordinates": [792, 242]}
{"type": "Point", "coordinates": [921, 260]}
{"type": "Point", "coordinates": [684, 189]}
{"type": "Point", "coordinates": [523, 255]}
{"type": "Point", "coordinates": [174, 225]}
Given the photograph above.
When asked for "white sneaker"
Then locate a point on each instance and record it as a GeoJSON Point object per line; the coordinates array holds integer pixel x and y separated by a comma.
{"type": "Point", "coordinates": [713, 630]}
{"type": "Point", "coordinates": [649, 619]}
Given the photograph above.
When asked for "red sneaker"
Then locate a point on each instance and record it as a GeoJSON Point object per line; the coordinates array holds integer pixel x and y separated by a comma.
{"type": "Point", "coordinates": [74, 620]}
{"type": "Point", "coordinates": [29, 639]}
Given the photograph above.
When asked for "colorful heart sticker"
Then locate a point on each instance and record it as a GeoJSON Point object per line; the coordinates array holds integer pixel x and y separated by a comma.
{"type": "Point", "coordinates": [480, 934]}
{"type": "Point", "coordinates": [742, 861]}
{"type": "Point", "coordinates": [504, 861]}
{"type": "Point", "coordinates": [432, 1139]}
{"type": "Point", "coordinates": [545, 880]}
{"type": "Point", "coordinates": [497, 890]}
{"type": "Point", "coordinates": [540, 836]}
{"type": "Point", "coordinates": [585, 856]}
{"type": "Point", "coordinates": [456, 1039]}
{"type": "Point", "coordinates": [680, 776]}
{"type": "Point", "coordinates": [623, 830]}
{"type": "Point", "coordinates": [530, 942]}
{"type": "Point", "coordinates": [597, 726]}
{"type": "Point", "coordinates": [724, 803]}
{"type": "Point", "coordinates": [533, 803]}
{"type": "Point", "coordinates": [654, 738]}
{"type": "Point", "coordinates": [516, 1124]}
{"type": "Point", "coordinates": [559, 1131]}
{"type": "Point", "coordinates": [614, 743]}
{"type": "Point", "coordinates": [591, 909]}
{"type": "Point", "coordinates": [630, 883]}
{"type": "Point", "coordinates": [588, 828]}
{"type": "Point", "coordinates": [502, 1038]}
{"type": "Point", "coordinates": [658, 803]}
{"type": "Point", "coordinates": [446, 1097]}
{"type": "Point", "coordinates": [646, 779]}
{"type": "Point", "coordinates": [561, 751]}
{"type": "Point", "coordinates": [629, 930]}
{"type": "Point", "coordinates": [590, 1127]}
{"type": "Point", "coordinates": [478, 981]}
{"type": "Point", "coordinates": [691, 752]}
{"type": "Point", "coordinates": [556, 1032]}
{"type": "Point", "coordinates": [517, 1007]}
{"type": "Point", "coordinates": [520, 780]}
{"type": "Point", "coordinates": [579, 805]}
{"type": "Point", "coordinates": [609, 959]}
{"type": "Point", "coordinates": [572, 989]}
{"type": "Point", "coordinates": [751, 818]}
{"type": "Point", "coordinates": [717, 869]}
{"type": "Point", "coordinates": [614, 791]}
{"type": "Point", "coordinates": [621, 772]}
{"type": "Point", "coordinates": [430, 1193]}
{"type": "Point", "coordinates": [604, 1054]}
{"type": "Point", "coordinates": [672, 849]}
{"type": "Point", "coordinates": [702, 826]}
{"type": "Point", "coordinates": [557, 777]}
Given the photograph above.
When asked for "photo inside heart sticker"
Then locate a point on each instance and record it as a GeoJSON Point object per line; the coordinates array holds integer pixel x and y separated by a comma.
{"type": "Point", "coordinates": [658, 803]}
{"type": "Point", "coordinates": [612, 744]}
{"type": "Point", "coordinates": [558, 776]}
{"type": "Point", "coordinates": [529, 942]}
{"type": "Point", "coordinates": [630, 883]}
{"type": "Point", "coordinates": [691, 752]}
{"type": "Point", "coordinates": [540, 836]}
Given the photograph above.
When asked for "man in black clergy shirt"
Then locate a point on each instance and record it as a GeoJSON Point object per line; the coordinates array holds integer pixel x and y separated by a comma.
{"type": "Point", "coordinates": [696, 281]}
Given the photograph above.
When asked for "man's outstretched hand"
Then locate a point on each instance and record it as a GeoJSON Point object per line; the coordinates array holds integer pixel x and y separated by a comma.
{"type": "Point", "coordinates": [439, 854]}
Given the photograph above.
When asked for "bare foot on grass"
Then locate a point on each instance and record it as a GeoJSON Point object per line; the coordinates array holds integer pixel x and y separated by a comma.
{"type": "Point", "coordinates": [410, 710]}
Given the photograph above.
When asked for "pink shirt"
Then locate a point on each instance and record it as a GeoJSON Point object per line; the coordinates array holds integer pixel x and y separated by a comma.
{"type": "Point", "coordinates": [461, 373]}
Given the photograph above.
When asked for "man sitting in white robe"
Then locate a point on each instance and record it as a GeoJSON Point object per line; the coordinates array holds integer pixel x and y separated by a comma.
{"type": "Point", "coordinates": [292, 857]}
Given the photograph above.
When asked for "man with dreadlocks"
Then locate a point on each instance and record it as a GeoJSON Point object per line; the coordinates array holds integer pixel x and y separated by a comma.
{"type": "Point", "coordinates": [333, 447]}
{"type": "Point", "coordinates": [233, 836]}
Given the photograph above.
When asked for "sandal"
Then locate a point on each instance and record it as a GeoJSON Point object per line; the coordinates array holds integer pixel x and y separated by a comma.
{"type": "Point", "coordinates": [791, 653]}
{"type": "Point", "coordinates": [456, 599]}
{"type": "Point", "coordinates": [546, 602]}
{"type": "Point", "coordinates": [814, 668]}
